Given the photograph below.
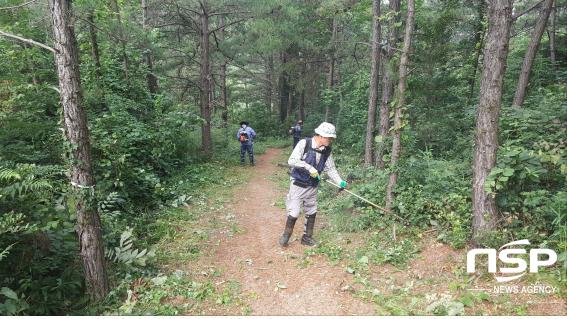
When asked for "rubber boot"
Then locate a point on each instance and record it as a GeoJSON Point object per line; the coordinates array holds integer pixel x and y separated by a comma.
{"type": "Point", "coordinates": [287, 231]}
{"type": "Point", "coordinates": [307, 238]}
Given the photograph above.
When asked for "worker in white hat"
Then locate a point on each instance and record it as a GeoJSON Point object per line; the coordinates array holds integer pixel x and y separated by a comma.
{"type": "Point", "coordinates": [310, 157]}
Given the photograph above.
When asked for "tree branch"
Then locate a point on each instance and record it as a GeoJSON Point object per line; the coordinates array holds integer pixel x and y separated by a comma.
{"type": "Point", "coordinates": [9, 35]}
{"type": "Point", "coordinates": [99, 29]}
{"type": "Point", "coordinates": [18, 6]}
{"type": "Point", "coordinates": [516, 16]}
{"type": "Point", "coordinates": [228, 12]}
{"type": "Point", "coordinates": [228, 24]}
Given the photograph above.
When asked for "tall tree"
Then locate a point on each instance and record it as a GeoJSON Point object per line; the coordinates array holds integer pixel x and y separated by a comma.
{"type": "Point", "coordinates": [479, 33]}
{"type": "Point", "coordinates": [486, 135]}
{"type": "Point", "coordinates": [94, 46]}
{"type": "Point", "coordinates": [373, 89]}
{"type": "Point", "coordinates": [283, 87]}
{"type": "Point", "coordinates": [77, 133]}
{"type": "Point", "coordinates": [400, 105]}
{"type": "Point", "coordinates": [387, 80]}
{"type": "Point", "coordinates": [121, 38]}
{"type": "Point", "coordinates": [148, 58]}
{"type": "Point", "coordinates": [531, 53]}
{"type": "Point", "coordinates": [224, 95]}
{"type": "Point", "coordinates": [551, 35]}
{"type": "Point", "coordinates": [269, 82]}
{"type": "Point", "coordinates": [332, 60]}
{"type": "Point", "coordinates": [205, 78]}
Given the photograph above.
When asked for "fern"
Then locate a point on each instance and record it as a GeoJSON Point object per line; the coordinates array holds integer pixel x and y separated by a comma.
{"type": "Point", "coordinates": [111, 204]}
{"type": "Point", "coordinates": [26, 178]}
{"type": "Point", "coordinates": [125, 253]}
{"type": "Point", "coordinates": [7, 174]}
{"type": "Point", "coordinates": [6, 251]}
{"type": "Point", "coordinates": [11, 223]}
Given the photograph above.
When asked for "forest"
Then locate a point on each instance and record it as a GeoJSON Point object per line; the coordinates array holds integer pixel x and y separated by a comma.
{"type": "Point", "coordinates": [120, 185]}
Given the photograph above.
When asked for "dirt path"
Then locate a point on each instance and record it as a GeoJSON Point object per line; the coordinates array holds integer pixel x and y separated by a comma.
{"type": "Point", "coordinates": [275, 279]}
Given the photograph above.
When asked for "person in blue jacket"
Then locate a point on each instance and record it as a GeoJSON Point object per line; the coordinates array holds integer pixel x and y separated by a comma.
{"type": "Point", "coordinates": [246, 136]}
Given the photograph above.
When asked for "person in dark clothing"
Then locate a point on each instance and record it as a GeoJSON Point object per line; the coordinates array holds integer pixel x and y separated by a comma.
{"type": "Point", "coordinates": [246, 136]}
{"type": "Point", "coordinates": [296, 132]}
{"type": "Point", "coordinates": [309, 159]}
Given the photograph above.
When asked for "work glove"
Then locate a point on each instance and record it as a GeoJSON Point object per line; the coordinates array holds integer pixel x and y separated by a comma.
{"type": "Point", "coordinates": [314, 173]}
{"type": "Point", "coordinates": [343, 184]}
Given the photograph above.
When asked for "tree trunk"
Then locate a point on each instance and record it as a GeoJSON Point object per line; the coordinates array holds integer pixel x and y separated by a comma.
{"type": "Point", "coordinates": [151, 78]}
{"type": "Point", "coordinates": [551, 35]}
{"type": "Point", "coordinates": [95, 54]}
{"type": "Point", "coordinates": [269, 84]}
{"type": "Point", "coordinates": [302, 105]}
{"type": "Point", "coordinates": [284, 87]}
{"type": "Point", "coordinates": [478, 41]}
{"type": "Point", "coordinates": [486, 135]}
{"type": "Point", "coordinates": [373, 89]}
{"type": "Point", "coordinates": [530, 54]}
{"type": "Point", "coordinates": [224, 96]}
{"type": "Point", "coordinates": [289, 112]}
{"type": "Point", "coordinates": [31, 66]}
{"type": "Point", "coordinates": [205, 82]}
{"type": "Point", "coordinates": [331, 74]}
{"type": "Point", "coordinates": [94, 47]}
{"type": "Point", "coordinates": [212, 91]}
{"type": "Point", "coordinates": [387, 82]}
{"type": "Point", "coordinates": [76, 131]}
{"type": "Point", "coordinates": [396, 144]}
{"type": "Point", "coordinates": [116, 10]}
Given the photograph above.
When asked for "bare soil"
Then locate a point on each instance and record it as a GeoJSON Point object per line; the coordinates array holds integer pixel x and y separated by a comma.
{"type": "Point", "coordinates": [284, 281]}
{"type": "Point", "coordinates": [274, 278]}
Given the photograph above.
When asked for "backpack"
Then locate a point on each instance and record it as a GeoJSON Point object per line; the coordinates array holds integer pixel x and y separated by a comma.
{"type": "Point", "coordinates": [243, 137]}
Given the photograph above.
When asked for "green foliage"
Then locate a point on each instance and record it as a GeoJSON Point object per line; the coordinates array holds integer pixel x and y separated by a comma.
{"type": "Point", "coordinates": [396, 252]}
{"type": "Point", "coordinates": [141, 296]}
{"type": "Point", "coordinates": [146, 148]}
{"type": "Point", "coordinates": [19, 185]}
{"type": "Point", "coordinates": [126, 254]}
{"type": "Point", "coordinates": [444, 305]}
{"type": "Point", "coordinates": [528, 180]}
{"type": "Point", "coordinates": [12, 305]}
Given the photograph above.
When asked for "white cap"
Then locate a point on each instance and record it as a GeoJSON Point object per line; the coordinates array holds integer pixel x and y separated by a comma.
{"type": "Point", "coordinates": [326, 130]}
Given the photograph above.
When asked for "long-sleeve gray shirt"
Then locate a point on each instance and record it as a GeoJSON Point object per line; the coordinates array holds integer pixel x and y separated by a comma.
{"type": "Point", "coordinates": [296, 160]}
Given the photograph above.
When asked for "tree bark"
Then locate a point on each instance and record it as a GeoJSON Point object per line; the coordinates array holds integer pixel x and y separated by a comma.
{"type": "Point", "coordinates": [387, 82]}
{"type": "Point", "coordinates": [520, 95]}
{"type": "Point", "coordinates": [76, 131]}
{"type": "Point", "coordinates": [283, 87]}
{"type": "Point", "coordinates": [551, 35]}
{"type": "Point", "coordinates": [205, 78]}
{"type": "Point", "coordinates": [396, 144]}
{"type": "Point", "coordinates": [331, 74]}
{"type": "Point", "coordinates": [94, 47]}
{"type": "Point", "coordinates": [95, 55]}
{"type": "Point", "coordinates": [224, 96]}
{"type": "Point", "coordinates": [148, 58]}
{"type": "Point", "coordinates": [373, 89]}
{"type": "Point", "coordinates": [478, 41]}
{"type": "Point", "coordinates": [269, 83]}
{"type": "Point", "coordinates": [289, 105]}
{"type": "Point", "coordinates": [486, 135]}
{"type": "Point", "coordinates": [116, 10]}
{"type": "Point", "coordinates": [302, 105]}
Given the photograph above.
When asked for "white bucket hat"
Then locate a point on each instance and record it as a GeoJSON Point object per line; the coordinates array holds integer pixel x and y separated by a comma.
{"type": "Point", "coordinates": [326, 130]}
